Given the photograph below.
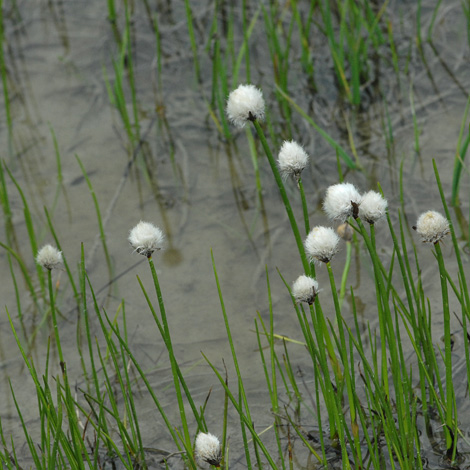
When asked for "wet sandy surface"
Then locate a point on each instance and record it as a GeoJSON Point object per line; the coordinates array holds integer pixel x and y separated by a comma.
{"type": "Point", "coordinates": [200, 190]}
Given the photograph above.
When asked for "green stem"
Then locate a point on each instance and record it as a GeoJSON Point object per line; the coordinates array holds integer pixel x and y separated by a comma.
{"type": "Point", "coordinates": [192, 39]}
{"type": "Point", "coordinates": [271, 347]}
{"type": "Point", "coordinates": [304, 207]}
{"type": "Point", "coordinates": [448, 349]}
{"type": "Point", "coordinates": [347, 374]}
{"type": "Point", "coordinates": [54, 318]}
{"type": "Point", "coordinates": [174, 368]}
{"type": "Point", "coordinates": [285, 199]}
{"type": "Point", "coordinates": [338, 314]}
{"type": "Point", "coordinates": [325, 334]}
{"type": "Point", "coordinates": [241, 389]}
{"type": "Point", "coordinates": [344, 278]}
{"type": "Point", "coordinates": [382, 304]}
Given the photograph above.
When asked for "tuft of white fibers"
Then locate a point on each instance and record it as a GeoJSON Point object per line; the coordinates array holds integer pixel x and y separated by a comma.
{"type": "Point", "coordinates": [432, 227]}
{"type": "Point", "coordinates": [305, 289]}
{"type": "Point", "coordinates": [342, 201]}
{"type": "Point", "coordinates": [321, 244]}
{"type": "Point", "coordinates": [146, 238]}
{"type": "Point", "coordinates": [49, 257]}
{"type": "Point", "coordinates": [246, 103]}
{"type": "Point", "coordinates": [208, 450]}
{"type": "Point", "coordinates": [373, 207]}
{"type": "Point", "coordinates": [292, 160]}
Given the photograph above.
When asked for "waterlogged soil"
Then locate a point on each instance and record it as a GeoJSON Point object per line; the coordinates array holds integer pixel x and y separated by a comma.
{"type": "Point", "coordinates": [201, 190]}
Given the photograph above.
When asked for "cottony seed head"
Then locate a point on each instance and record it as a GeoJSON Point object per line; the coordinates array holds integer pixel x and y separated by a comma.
{"type": "Point", "coordinates": [321, 244]}
{"type": "Point", "coordinates": [244, 104]}
{"type": "Point", "coordinates": [305, 289]}
{"type": "Point", "coordinates": [208, 450]}
{"type": "Point", "coordinates": [341, 202]}
{"type": "Point", "coordinates": [432, 227]}
{"type": "Point", "coordinates": [146, 238]}
{"type": "Point", "coordinates": [49, 257]}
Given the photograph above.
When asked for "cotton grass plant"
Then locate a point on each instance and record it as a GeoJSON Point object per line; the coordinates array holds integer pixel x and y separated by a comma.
{"type": "Point", "coordinates": [388, 384]}
{"type": "Point", "coordinates": [367, 414]}
{"type": "Point", "coordinates": [369, 395]}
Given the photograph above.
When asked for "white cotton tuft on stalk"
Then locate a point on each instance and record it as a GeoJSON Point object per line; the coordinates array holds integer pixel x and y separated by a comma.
{"type": "Point", "coordinates": [341, 202]}
{"type": "Point", "coordinates": [321, 244]}
{"type": "Point", "coordinates": [432, 227]}
{"type": "Point", "coordinates": [244, 104]}
{"type": "Point", "coordinates": [305, 289]}
{"type": "Point", "coordinates": [292, 160]}
{"type": "Point", "coordinates": [146, 238]}
{"type": "Point", "coordinates": [373, 207]}
{"type": "Point", "coordinates": [208, 450]}
{"type": "Point", "coordinates": [49, 257]}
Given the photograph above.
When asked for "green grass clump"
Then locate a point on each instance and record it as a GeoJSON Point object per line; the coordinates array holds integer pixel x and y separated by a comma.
{"type": "Point", "coordinates": [346, 390]}
{"type": "Point", "coordinates": [370, 399]}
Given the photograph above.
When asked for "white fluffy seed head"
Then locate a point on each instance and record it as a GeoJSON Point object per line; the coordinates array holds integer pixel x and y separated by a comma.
{"type": "Point", "coordinates": [305, 289]}
{"type": "Point", "coordinates": [432, 227]}
{"type": "Point", "coordinates": [49, 257]}
{"type": "Point", "coordinates": [341, 202]}
{"type": "Point", "coordinates": [246, 103]}
{"type": "Point", "coordinates": [208, 450]}
{"type": "Point", "coordinates": [292, 159]}
{"type": "Point", "coordinates": [146, 238]}
{"type": "Point", "coordinates": [373, 207]}
{"type": "Point", "coordinates": [321, 244]}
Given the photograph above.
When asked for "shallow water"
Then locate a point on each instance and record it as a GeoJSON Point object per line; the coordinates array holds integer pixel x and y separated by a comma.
{"type": "Point", "coordinates": [57, 55]}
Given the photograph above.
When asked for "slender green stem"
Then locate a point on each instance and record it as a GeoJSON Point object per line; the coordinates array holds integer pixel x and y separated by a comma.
{"type": "Point", "coordinates": [30, 227]}
{"type": "Point", "coordinates": [111, 11]}
{"type": "Point", "coordinates": [285, 199]}
{"type": "Point", "coordinates": [271, 347]}
{"type": "Point", "coordinates": [83, 277]}
{"type": "Point", "coordinates": [323, 333]}
{"type": "Point", "coordinates": [54, 317]}
{"type": "Point", "coordinates": [338, 312]}
{"type": "Point", "coordinates": [4, 76]}
{"type": "Point", "coordinates": [454, 237]}
{"type": "Point", "coordinates": [245, 419]}
{"type": "Point", "coordinates": [304, 207]}
{"type": "Point", "coordinates": [192, 40]}
{"type": "Point", "coordinates": [142, 374]}
{"type": "Point", "coordinates": [246, 36]}
{"type": "Point", "coordinates": [174, 369]}
{"type": "Point", "coordinates": [382, 304]}
{"type": "Point", "coordinates": [447, 351]}
{"type": "Point", "coordinates": [241, 388]}
{"type": "Point", "coordinates": [346, 374]}
{"type": "Point", "coordinates": [180, 374]}
{"type": "Point", "coordinates": [100, 219]}
{"type": "Point", "coordinates": [344, 278]}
